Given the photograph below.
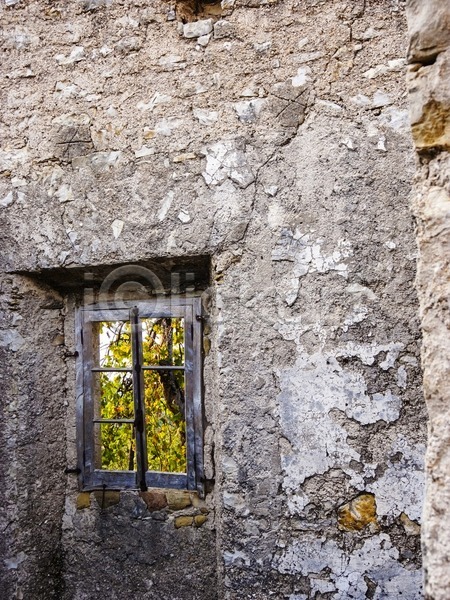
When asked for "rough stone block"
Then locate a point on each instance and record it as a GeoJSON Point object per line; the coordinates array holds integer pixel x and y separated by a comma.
{"type": "Point", "coordinates": [197, 28]}
{"type": "Point", "coordinates": [178, 499]}
{"type": "Point", "coordinates": [358, 513]}
{"type": "Point", "coordinates": [154, 499]}
{"type": "Point", "coordinates": [429, 29]}
{"type": "Point", "coordinates": [83, 500]}
{"type": "Point", "coordinates": [107, 498]}
{"type": "Point", "coordinates": [199, 520]}
{"type": "Point", "coordinates": [429, 92]}
{"type": "Point", "coordinates": [183, 521]}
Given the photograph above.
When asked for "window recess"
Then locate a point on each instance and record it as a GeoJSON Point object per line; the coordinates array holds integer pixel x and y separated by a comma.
{"type": "Point", "coordinates": [139, 410]}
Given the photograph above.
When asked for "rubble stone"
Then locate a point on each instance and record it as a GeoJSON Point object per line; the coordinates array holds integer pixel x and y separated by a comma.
{"type": "Point", "coordinates": [198, 29]}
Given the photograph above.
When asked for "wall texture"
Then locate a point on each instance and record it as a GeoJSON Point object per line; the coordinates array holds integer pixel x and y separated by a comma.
{"type": "Point", "coordinates": [272, 137]}
{"type": "Point", "coordinates": [429, 90]}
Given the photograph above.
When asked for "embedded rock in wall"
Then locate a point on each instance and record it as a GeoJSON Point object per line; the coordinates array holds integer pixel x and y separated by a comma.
{"type": "Point", "coordinates": [428, 80]}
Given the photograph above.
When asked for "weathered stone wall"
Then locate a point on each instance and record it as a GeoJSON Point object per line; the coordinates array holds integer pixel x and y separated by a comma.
{"type": "Point", "coordinates": [429, 91]}
{"type": "Point", "coordinates": [32, 440]}
{"type": "Point", "coordinates": [277, 143]}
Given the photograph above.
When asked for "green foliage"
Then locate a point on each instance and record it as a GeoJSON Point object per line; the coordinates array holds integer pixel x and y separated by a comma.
{"type": "Point", "coordinates": [163, 344]}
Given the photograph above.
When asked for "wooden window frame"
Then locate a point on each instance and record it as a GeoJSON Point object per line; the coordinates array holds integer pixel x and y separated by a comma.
{"type": "Point", "coordinates": [91, 478]}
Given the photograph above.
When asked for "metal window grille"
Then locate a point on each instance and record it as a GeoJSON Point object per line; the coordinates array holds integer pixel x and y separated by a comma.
{"type": "Point", "coordinates": [90, 419]}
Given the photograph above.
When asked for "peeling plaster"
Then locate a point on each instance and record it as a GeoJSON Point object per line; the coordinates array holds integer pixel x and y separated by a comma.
{"type": "Point", "coordinates": [376, 559]}
{"type": "Point", "coordinates": [307, 256]}
{"type": "Point", "coordinates": [367, 353]}
{"type": "Point", "coordinates": [309, 391]}
{"type": "Point", "coordinates": [401, 488]}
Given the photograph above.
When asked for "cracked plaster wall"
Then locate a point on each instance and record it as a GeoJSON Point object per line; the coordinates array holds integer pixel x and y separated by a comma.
{"type": "Point", "coordinates": [273, 137]}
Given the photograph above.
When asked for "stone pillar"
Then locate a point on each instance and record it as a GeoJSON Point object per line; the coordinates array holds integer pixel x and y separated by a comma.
{"type": "Point", "coordinates": [429, 90]}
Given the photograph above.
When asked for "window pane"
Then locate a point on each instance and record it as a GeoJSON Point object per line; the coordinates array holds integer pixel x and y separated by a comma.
{"type": "Point", "coordinates": [112, 344]}
{"type": "Point", "coordinates": [116, 449]}
{"type": "Point", "coordinates": [165, 421]}
{"type": "Point", "coordinates": [163, 341]}
{"type": "Point", "coordinates": [114, 395]}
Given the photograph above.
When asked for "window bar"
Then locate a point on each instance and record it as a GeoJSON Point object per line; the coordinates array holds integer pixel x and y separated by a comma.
{"type": "Point", "coordinates": [189, 382]}
{"type": "Point", "coordinates": [163, 368]}
{"type": "Point", "coordinates": [111, 369]}
{"type": "Point", "coordinates": [131, 421]}
{"type": "Point", "coordinates": [197, 395]}
{"type": "Point", "coordinates": [138, 392]}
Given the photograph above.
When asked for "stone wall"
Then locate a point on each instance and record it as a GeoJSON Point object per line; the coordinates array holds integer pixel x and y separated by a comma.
{"type": "Point", "coordinates": [273, 138]}
{"type": "Point", "coordinates": [429, 91]}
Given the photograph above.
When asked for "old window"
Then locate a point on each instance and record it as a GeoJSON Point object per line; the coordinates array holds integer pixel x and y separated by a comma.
{"type": "Point", "coordinates": [139, 405]}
